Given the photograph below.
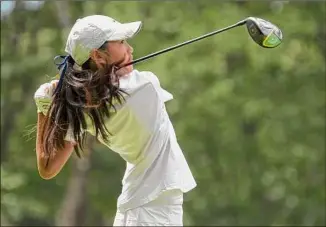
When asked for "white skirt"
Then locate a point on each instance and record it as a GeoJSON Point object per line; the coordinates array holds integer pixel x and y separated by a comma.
{"type": "Point", "coordinates": [166, 210]}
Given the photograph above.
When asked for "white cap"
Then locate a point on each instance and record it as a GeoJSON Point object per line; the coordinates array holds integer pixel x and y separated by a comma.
{"type": "Point", "coordinates": [92, 32]}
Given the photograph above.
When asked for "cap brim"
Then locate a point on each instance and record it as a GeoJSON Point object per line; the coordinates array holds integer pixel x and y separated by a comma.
{"type": "Point", "coordinates": [126, 31]}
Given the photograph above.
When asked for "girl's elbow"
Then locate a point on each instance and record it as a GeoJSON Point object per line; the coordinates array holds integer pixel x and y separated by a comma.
{"type": "Point", "coordinates": [48, 169]}
{"type": "Point", "coordinates": [47, 173]}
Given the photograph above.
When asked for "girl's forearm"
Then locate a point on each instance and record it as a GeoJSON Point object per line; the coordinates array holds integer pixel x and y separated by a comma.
{"type": "Point", "coordinates": [56, 161]}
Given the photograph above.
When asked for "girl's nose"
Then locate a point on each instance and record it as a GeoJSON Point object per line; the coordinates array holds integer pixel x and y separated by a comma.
{"type": "Point", "coordinates": [130, 49]}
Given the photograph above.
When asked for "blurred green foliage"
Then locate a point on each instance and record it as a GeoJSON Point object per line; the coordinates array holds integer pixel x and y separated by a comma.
{"type": "Point", "coordinates": [251, 121]}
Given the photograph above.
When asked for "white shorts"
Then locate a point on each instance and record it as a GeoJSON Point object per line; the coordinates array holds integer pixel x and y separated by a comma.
{"type": "Point", "coordinates": [166, 210]}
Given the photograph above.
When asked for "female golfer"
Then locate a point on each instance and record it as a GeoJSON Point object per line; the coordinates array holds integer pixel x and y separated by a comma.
{"type": "Point", "coordinates": [124, 109]}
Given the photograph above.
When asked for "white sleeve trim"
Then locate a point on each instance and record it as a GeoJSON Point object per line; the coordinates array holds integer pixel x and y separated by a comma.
{"type": "Point", "coordinates": [69, 135]}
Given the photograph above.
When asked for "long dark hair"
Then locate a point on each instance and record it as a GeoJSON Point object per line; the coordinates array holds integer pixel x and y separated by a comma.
{"type": "Point", "coordinates": [92, 91]}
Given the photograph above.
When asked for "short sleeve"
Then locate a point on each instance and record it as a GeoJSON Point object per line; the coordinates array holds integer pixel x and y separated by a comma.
{"type": "Point", "coordinates": [163, 94]}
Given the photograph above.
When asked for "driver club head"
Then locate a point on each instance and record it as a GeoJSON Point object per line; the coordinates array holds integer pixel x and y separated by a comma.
{"type": "Point", "coordinates": [263, 32]}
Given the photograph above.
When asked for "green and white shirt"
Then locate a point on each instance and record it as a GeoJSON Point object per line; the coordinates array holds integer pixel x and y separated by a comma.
{"type": "Point", "coordinates": [143, 135]}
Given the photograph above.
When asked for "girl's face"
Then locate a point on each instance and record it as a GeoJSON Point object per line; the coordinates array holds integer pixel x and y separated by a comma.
{"type": "Point", "coordinates": [120, 53]}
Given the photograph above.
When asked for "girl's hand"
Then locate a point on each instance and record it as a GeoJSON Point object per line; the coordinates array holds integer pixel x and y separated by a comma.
{"type": "Point", "coordinates": [43, 96]}
{"type": "Point", "coordinates": [124, 70]}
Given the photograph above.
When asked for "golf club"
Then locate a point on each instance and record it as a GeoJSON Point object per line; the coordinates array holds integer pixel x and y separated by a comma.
{"type": "Point", "coordinates": [263, 32]}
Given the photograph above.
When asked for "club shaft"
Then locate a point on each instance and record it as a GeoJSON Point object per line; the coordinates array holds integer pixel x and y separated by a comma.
{"type": "Point", "coordinates": [185, 43]}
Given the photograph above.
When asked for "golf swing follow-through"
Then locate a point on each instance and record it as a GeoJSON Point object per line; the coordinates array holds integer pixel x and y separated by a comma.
{"type": "Point", "coordinates": [100, 93]}
{"type": "Point", "coordinates": [264, 33]}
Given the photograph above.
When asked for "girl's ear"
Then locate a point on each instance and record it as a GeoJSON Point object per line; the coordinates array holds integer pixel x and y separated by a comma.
{"type": "Point", "coordinates": [100, 58]}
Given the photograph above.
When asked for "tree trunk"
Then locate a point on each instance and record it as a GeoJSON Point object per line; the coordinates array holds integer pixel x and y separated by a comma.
{"type": "Point", "coordinates": [74, 205]}
{"type": "Point", "coordinates": [62, 10]}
